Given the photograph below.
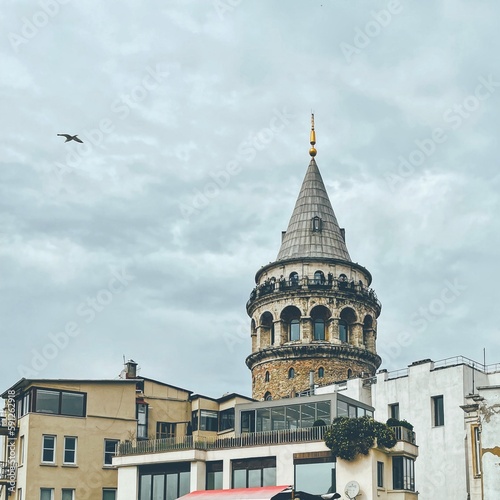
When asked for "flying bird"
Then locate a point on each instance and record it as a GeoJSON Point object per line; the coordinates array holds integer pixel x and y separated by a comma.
{"type": "Point", "coordinates": [71, 138]}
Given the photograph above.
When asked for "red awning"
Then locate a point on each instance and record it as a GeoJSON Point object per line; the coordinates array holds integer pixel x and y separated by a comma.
{"type": "Point", "coordinates": [265, 493]}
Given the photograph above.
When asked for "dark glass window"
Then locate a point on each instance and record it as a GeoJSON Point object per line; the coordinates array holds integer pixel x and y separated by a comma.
{"type": "Point", "coordinates": [48, 449]}
{"type": "Point", "coordinates": [214, 475]}
{"type": "Point", "coordinates": [254, 472]}
{"type": "Point", "coordinates": [69, 450]}
{"type": "Point", "coordinates": [291, 373]}
{"type": "Point", "coordinates": [380, 474]}
{"type": "Point", "coordinates": [394, 411]}
{"type": "Point", "coordinates": [209, 420]}
{"type": "Point", "coordinates": [165, 430]}
{"type": "Point", "coordinates": [248, 421]}
{"type": "Point", "coordinates": [164, 481]}
{"type": "Point", "coordinates": [266, 377]}
{"type": "Point", "coordinates": [142, 420]}
{"type": "Point", "coordinates": [343, 329]}
{"type": "Point", "coordinates": [321, 372]}
{"type": "Point", "coordinates": [108, 494]}
{"type": "Point", "coordinates": [319, 329]}
{"type": "Point", "coordinates": [226, 419]}
{"type": "Point", "coordinates": [438, 410]}
{"type": "Point", "coordinates": [294, 329]}
{"type": "Point", "coordinates": [403, 473]}
{"type": "Point", "coordinates": [110, 448]}
{"type": "Point", "coordinates": [59, 402]}
{"type": "Point", "coordinates": [194, 420]}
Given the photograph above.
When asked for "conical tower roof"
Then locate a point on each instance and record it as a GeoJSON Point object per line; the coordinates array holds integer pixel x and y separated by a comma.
{"type": "Point", "coordinates": [306, 237]}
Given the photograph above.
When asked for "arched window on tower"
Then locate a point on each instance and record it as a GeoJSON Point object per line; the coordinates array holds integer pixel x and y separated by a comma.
{"type": "Point", "coordinates": [291, 373]}
{"type": "Point", "coordinates": [266, 377]}
{"type": "Point", "coordinates": [290, 318]}
{"type": "Point", "coordinates": [319, 317]}
{"type": "Point", "coordinates": [267, 396]}
{"type": "Point", "coordinates": [294, 279]}
{"type": "Point", "coordinates": [319, 278]}
{"type": "Point", "coordinates": [349, 373]}
{"type": "Point", "coordinates": [267, 329]}
{"type": "Point", "coordinates": [321, 372]}
{"type": "Point", "coordinates": [346, 323]}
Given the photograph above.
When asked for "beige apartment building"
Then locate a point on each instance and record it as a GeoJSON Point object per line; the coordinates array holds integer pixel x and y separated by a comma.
{"type": "Point", "coordinates": [60, 435]}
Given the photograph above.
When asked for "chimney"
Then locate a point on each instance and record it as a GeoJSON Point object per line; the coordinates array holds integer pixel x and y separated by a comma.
{"type": "Point", "coordinates": [130, 369]}
{"type": "Point", "coordinates": [342, 233]}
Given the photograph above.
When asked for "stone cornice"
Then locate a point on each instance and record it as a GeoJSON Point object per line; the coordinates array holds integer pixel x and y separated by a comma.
{"type": "Point", "coordinates": [313, 350]}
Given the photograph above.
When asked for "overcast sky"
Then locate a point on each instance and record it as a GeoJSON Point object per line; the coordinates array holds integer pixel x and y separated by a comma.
{"type": "Point", "coordinates": [144, 241]}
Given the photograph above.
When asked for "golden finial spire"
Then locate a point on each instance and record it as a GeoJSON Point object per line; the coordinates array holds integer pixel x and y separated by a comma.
{"type": "Point", "coordinates": [312, 151]}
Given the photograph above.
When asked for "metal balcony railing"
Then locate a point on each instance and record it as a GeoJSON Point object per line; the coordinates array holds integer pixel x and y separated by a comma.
{"type": "Point", "coordinates": [309, 434]}
{"type": "Point", "coordinates": [404, 434]}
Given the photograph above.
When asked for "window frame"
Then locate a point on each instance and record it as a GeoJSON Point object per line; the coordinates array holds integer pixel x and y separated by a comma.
{"type": "Point", "coordinates": [66, 490]}
{"type": "Point", "coordinates": [394, 411]}
{"type": "Point", "coordinates": [380, 474]}
{"type": "Point", "coordinates": [45, 490]}
{"type": "Point", "coordinates": [403, 473]}
{"type": "Point", "coordinates": [109, 453]}
{"type": "Point", "coordinates": [65, 449]}
{"type": "Point", "coordinates": [438, 411]}
{"type": "Point", "coordinates": [142, 427]}
{"type": "Point", "coordinates": [476, 450]}
{"type": "Point", "coordinates": [166, 430]}
{"type": "Point", "coordinates": [44, 448]}
{"type": "Point", "coordinates": [109, 490]}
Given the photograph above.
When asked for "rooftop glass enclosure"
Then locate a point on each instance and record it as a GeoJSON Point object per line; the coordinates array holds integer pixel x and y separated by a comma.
{"type": "Point", "coordinates": [297, 413]}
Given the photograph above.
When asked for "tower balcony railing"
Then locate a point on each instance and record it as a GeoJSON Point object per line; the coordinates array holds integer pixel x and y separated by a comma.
{"type": "Point", "coordinates": [353, 288]}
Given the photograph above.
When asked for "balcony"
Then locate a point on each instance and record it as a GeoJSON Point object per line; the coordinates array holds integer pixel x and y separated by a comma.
{"type": "Point", "coordinates": [309, 434]}
{"type": "Point", "coordinates": [307, 284]}
{"type": "Point", "coordinates": [8, 473]}
{"type": "Point", "coordinates": [7, 429]}
{"type": "Point", "coordinates": [404, 434]}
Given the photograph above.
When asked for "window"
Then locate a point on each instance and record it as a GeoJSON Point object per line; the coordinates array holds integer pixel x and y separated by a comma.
{"type": "Point", "coordinates": [315, 475]}
{"type": "Point", "coordinates": [321, 372]}
{"type": "Point", "coordinates": [254, 472]}
{"type": "Point", "coordinates": [20, 494]}
{"type": "Point", "coordinates": [142, 420]}
{"type": "Point", "coordinates": [268, 396]}
{"type": "Point", "coordinates": [291, 373]}
{"type": "Point", "coordinates": [319, 329]}
{"type": "Point", "coordinates": [294, 279]}
{"type": "Point", "coordinates": [209, 420]}
{"type": "Point", "coordinates": [226, 419]}
{"type": "Point", "coordinates": [394, 411]}
{"type": "Point", "coordinates": [165, 430]}
{"type": "Point", "coordinates": [110, 449]}
{"type": "Point", "coordinates": [59, 402]}
{"type": "Point", "coordinates": [438, 410]}
{"type": "Point", "coordinates": [21, 450]}
{"type": "Point", "coordinates": [194, 420]}
{"type": "Point", "coordinates": [68, 494]}
{"type": "Point", "coordinates": [248, 421]}
{"type": "Point", "coordinates": [164, 481]}
{"type": "Point", "coordinates": [266, 377]}
{"type": "Point", "coordinates": [294, 329]}
{"type": "Point", "coordinates": [214, 475]}
{"type": "Point", "coordinates": [380, 474]}
{"type": "Point", "coordinates": [403, 473]}
{"type": "Point", "coordinates": [46, 493]}
{"type": "Point", "coordinates": [316, 224]}
{"type": "Point", "coordinates": [48, 449]}
{"type": "Point", "coordinates": [108, 494]}
{"type": "Point", "coordinates": [476, 450]}
{"type": "Point", "coordinates": [69, 456]}
{"type": "Point", "coordinates": [319, 278]}
{"type": "Point", "coordinates": [349, 373]}
{"type": "Point", "coordinates": [343, 328]}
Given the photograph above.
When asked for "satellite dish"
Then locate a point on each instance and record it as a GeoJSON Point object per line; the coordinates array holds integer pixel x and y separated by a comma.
{"type": "Point", "coordinates": [352, 489]}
